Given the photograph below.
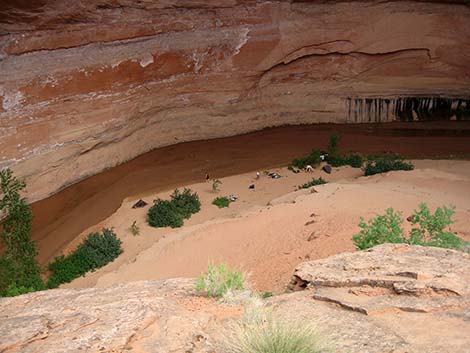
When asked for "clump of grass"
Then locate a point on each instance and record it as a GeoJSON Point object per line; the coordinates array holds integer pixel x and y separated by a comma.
{"type": "Point", "coordinates": [383, 164]}
{"type": "Point", "coordinates": [313, 182]}
{"type": "Point", "coordinates": [215, 185]}
{"type": "Point", "coordinates": [218, 280]}
{"type": "Point", "coordinates": [261, 331]}
{"type": "Point", "coordinates": [134, 229]}
{"type": "Point", "coordinates": [267, 294]}
{"type": "Point", "coordinates": [429, 229]}
{"type": "Point", "coordinates": [221, 201]}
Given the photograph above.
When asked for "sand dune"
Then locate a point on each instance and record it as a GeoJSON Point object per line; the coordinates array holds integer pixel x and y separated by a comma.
{"type": "Point", "coordinates": [269, 231]}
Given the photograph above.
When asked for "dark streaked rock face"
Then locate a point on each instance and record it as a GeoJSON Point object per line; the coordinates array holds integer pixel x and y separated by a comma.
{"type": "Point", "coordinates": [85, 85]}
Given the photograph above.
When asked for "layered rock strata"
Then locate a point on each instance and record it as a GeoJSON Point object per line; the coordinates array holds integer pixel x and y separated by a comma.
{"type": "Point", "coordinates": [415, 300]}
{"type": "Point", "coordinates": [85, 85]}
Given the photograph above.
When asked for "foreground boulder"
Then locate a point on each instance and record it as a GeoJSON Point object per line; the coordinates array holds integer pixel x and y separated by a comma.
{"type": "Point", "coordinates": [392, 298]}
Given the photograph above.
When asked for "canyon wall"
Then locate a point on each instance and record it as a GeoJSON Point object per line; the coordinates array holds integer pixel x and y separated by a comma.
{"type": "Point", "coordinates": [87, 84]}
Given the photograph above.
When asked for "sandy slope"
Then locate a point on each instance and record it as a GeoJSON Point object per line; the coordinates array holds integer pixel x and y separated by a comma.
{"type": "Point", "coordinates": [268, 241]}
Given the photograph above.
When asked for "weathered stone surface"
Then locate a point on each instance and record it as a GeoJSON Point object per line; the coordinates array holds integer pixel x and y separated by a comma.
{"type": "Point", "coordinates": [166, 316]}
{"type": "Point", "coordinates": [408, 278]}
{"type": "Point", "coordinates": [85, 85]}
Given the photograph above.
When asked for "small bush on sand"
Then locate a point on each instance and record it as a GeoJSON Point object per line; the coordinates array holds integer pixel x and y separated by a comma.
{"type": "Point", "coordinates": [216, 185]}
{"type": "Point", "coordinates": [383, 164]}
{"type": "Point", "coordinates": [187, 203]}
{"type": "Point", "coordinates": [221, 202]}
{"type": "Point", "coordinates": [218, 280]}
{"type": "Point", "coordinates": [164, 213]}
{"type": "Point", "coordinates": [353, 159]}
{"type": "Point", "coordinates": [262, 331]}
{"type": "Point", "coordinates": [312, 159]}
{"type": "Point", "coordinates": [97, 250]}
{"type": "Point", "coordinates": [134, 229]}
{"type": "Point", "coordinates": [429, 229]}
{"type": "Point", "coordinates": [382, 229]}
{"type": "Point", "coordinates": [313, 182]}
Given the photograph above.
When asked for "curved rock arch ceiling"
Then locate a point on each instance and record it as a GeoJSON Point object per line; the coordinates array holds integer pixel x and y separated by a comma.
{"type": "Point", "coordinates": [87, 85]}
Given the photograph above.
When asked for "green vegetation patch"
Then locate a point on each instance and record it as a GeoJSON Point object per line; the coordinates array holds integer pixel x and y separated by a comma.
{"type": "Point", "coordinates": [429, 229]}
{"type": "Point", "coordinates": [221, 201]}
{"type": "Point", "coordinates": [19, 270]}
{"type": "Point", "coordinates": [171, 213]}
{"type": "Point", "coordinates": [218, 280]}
{"type": "Point", "coordinates": [312, 159]}
{"type": "Point", "coordinates": [383, 164]}
{"type": "Point", "coordinates": [96, 251]}
{"type": "Point", "coordinates": [313, 182]}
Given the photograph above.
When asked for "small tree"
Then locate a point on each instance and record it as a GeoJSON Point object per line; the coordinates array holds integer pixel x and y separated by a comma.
{"type": "Point", "coordinates": [19, 269]}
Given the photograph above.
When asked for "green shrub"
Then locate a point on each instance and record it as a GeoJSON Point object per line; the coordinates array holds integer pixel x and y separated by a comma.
{"type": "Point", "coordinates": [313, 182]}
{"type": "Point", "coordinates": [221, 202]}
{"type": "Point", "coordinates": [187, 203]}
{"type": "Point", "coordinates": [430, 229]}
{"type": "Point", "coordinates": [354, 160]}
{"type": "Point", "coordinates": [333, 145]}
{"type": "Point", "coordinates": [263, 331]}
{"type": "Point", "coordinates": [97, 250]}
{"type": "Point", "coordinates": [312, 159]}
{"type": "Point", "coordinates": [383, 164]}
{"type": "Point", "coordinates": [218, 280]}
{"type": "Point", "coordinates": [164, 213]}
{"type": "Point", "coordinates": [13, 290]}
{"type": "Point", "coordinates": [381, 229]}
{"type": "Point", "coordinates": [19, 269]}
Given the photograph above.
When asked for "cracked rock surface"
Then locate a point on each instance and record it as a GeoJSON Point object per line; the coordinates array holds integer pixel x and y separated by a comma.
{"type": "Point", "coordinates": [393, 298]}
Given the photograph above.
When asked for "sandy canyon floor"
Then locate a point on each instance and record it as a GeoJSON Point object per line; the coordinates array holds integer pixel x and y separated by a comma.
{"type": "Point", "coordinates": [268, 231]}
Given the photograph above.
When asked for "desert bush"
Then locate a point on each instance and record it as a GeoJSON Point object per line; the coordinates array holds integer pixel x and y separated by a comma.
{"type": "Point", "coordinates": [187, 203]}
{"type": "Point", "coordinates": [336, 159]}
{"type": "Point", "coordinates": [215, 185]}
{"type": "Point", "coordinates": [266, 332]}
{"type": "Point", "coordinates": [13, 290]}
{"type": "Point", "coordinates": [312, 159]}
{"type": "Point", "coordinates": [97, 250]}
{"type": "Point", "coordinates": [221, 202]}
{"type": "Point", "coordinates": [134, 229]}
{"type": "Point", "coordinates": [19, 269]}
{"type": "Point", "coordinates": [430, 229]}
{"type": "Point", "coordinates": [382, 229]}
{"type": "Point", "coordinates": [218, 280]}
{"type": "Point", "coordinates": [354, 160]}
{"type": "Point", "coordinates": [313, 182]}
{"type": "Point", "coordinates": [383, 164]}
{"type": "Point", "coordinates": [164, 213]}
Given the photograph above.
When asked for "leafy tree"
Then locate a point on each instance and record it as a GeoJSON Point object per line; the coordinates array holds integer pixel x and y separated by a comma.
{"type": "Point", "coordinates": [383, 164]}
{"type": "Point", "coordinates": [19, 268]}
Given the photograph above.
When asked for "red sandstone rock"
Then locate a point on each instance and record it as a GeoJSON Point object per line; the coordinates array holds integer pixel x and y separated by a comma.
{"type": "Point", "coordinates": [85, 85]}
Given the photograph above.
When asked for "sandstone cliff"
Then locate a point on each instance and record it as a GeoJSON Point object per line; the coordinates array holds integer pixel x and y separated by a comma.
{"type": "Point", "coordinates": [393, 298]}
{"type": "Point", "coordinates": [85, 85]}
